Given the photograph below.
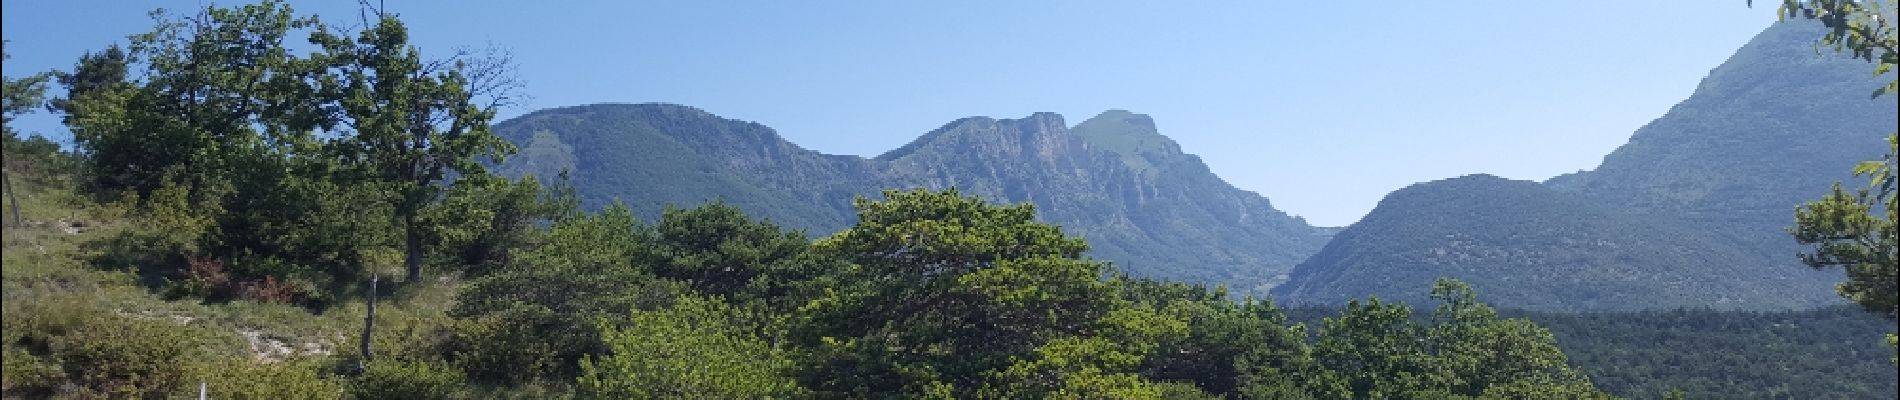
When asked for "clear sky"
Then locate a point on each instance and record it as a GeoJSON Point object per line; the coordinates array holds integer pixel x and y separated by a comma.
{"type": "Point", "coordinates": [1323, 107]}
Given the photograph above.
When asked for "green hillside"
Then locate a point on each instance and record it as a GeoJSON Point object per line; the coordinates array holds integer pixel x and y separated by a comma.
{"type": "Point", "coordinates": [1533, 247]}
{"type": "Point", "coordinates": [1829, 352]}
{"type": "Point", "coordinates": [1774, 126]}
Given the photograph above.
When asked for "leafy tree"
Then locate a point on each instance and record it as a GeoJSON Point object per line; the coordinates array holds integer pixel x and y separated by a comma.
{"type": "Point", "coordinates": [535, 319]}
{"type": "Point", "coordinates": [411, 124]}
{"type": "Point", "coordinates": [18, 96]}
{"type": "Point", "coordinates": [695, 349]}
{"type": "Point", "coordinates": [719, 250]}
{"type": "Point", "coordinates": [941, 288]}
{"type": "Point", "coordinates": [1485, 354]}
{"type": "Point", "coordinates": [1378, 351]}
{"type": "Point", "coordinates": [1103, 366]}
{"type": "Point", "coordinates": [1224, 337]}
{"type": "Point", "coordinates": [482, 222]}
{"type": "Point", "coordinates": [21, 95]}
{"type": "Point", "coordinates": [220, 108]}
{"type": "Point", "coordinates": [215, 99]}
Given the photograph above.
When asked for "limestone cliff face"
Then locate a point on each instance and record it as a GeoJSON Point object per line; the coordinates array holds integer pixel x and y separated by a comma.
{"type": "Point", "coordinates": [1140, 201]}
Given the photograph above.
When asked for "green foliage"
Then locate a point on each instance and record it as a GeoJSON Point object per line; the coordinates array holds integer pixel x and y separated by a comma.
{"type": "Point", "coordinates": [69, 340]}
{"type": "Point", "coordinates": [245, 379]}
{"type": "Point", "coordinates": [536, 319]}
{"type": "Point", "coordinates": [204, 125]}
{"type": "Point", "coordinates": [1465, 350]}
{"type": "Point", "coordinates": [208, 136]}
{"type": "Point", "coordinates": [214, 104]}
{"type": "Point", "coordinates": [402, 379]}
{"type": "Point", "coordinates": [1096, 367]}
{"type": "Point", "coordinates": [481, 222]}
{"type": "Point", "coordinates": [697, 348]}
{"type": "Point", "coordinates": [942, 288]}
{"type": "Point", "coordinates": [1223, 339]}
{"type": "Point", "coordinates": [1706, 354]}
{"type": "Point", "coordinates": [23, 155]}
{"type": "Point", "coordinates": [19, 96]}
{"type": "Point", "coordinates": [1856, 232]}
{"type": "Point", "coordinates": [719, 250]}
{"type": "Point", "coordinates": [411, 123]}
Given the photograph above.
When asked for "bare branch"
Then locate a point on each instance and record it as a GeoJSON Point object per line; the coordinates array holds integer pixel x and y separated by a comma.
{"type": "Point", "coordinates": [492, 75]}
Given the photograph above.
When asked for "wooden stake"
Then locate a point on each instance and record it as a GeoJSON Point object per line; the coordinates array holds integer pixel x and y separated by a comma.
{"type": "Point", "coordinates": [369, 324]}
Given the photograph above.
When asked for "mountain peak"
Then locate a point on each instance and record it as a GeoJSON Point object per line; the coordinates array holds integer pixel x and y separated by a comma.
{"type": "Point", "coordinates": [1133, 136]}
{"type": "Point", "coordinates": [1021, 131]}
{"type": "Point", "coordinates": [1141, 121]}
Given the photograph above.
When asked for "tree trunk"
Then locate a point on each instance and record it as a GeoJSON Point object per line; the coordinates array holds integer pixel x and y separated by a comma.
{"type": "Point", "coordinates": [7, 180]}
{"type": "Point", "coordinates": [369, 325]}
{"type": "Point", "coordinates": [412, 247]}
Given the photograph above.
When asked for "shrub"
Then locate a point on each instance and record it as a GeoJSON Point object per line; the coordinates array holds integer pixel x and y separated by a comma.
{"type": "Point", "coordinates": [239, 378]}
{"type": "Point", "coordinates": [406, 379]}
{"type": "Point", "coordinates": [98, 352]}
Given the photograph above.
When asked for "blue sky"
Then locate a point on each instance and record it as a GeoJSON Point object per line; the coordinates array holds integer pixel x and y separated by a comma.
{"type": "Point", "coordinates": [1323, 107]}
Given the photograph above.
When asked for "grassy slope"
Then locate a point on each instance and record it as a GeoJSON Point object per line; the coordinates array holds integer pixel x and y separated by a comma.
{"type": "Point", "coordinates": [48, 277]}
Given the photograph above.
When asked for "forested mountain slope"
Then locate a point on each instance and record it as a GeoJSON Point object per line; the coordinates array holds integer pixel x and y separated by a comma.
{"type": "Point", "coordinates": [1691, 212]}
{"type": "Point", "coordinates": [1538, 248]}
{"type": "Point", "coordinates": [1774, 126]}
{"type": "Point", "coordinates": [1142, 203]}
{"type": "Point", "coordinates": [1830, 352]}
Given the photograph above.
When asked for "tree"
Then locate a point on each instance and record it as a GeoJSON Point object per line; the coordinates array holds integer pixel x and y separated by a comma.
{"type": "Point", "coordinates": [538, 317]}
{"type": "Point", "coordinates": [1856, 230]}
{"type": "Point", "coordinates": [940, 289]}
{"type": "Point", "coordinates": [696, 349]}
{"type": "Point", "coordinates": [1224, 337]}
{"type": "Point", "coordinates": [411, 124]}
{"type": "Point", "coordinates": [20, 96]}
{"type": "Point", "coordinates": [17, 96]}
{"type": "Point", "coordinates": [1104, 365]}
{"type": "Point", "coordinates": [719, 250]}
{"type": "Point", "coordinates": [216, 104]}
{"type": "Point", "coordinates": [1376, 350]}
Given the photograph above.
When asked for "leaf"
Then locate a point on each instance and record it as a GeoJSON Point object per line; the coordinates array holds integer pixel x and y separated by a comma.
{"type": "Point", "coordinates": [1869, 167]}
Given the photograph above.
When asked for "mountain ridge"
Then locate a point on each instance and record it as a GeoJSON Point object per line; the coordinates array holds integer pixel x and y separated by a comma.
{"type": "Point", "coordinates": [1113, 179]}
{"type": "Point", "coordinates": [1708, 189]}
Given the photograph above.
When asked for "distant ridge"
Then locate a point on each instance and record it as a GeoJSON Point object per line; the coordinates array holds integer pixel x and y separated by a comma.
{"type": "Point", "coordinates": [1690, 213]}
{"type": "Point", "coordinates": [1140, 201]}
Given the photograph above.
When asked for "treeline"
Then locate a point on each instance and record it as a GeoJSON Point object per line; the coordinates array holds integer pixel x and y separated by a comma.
{"type": "Point", "coordinates": [1833, 352]}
